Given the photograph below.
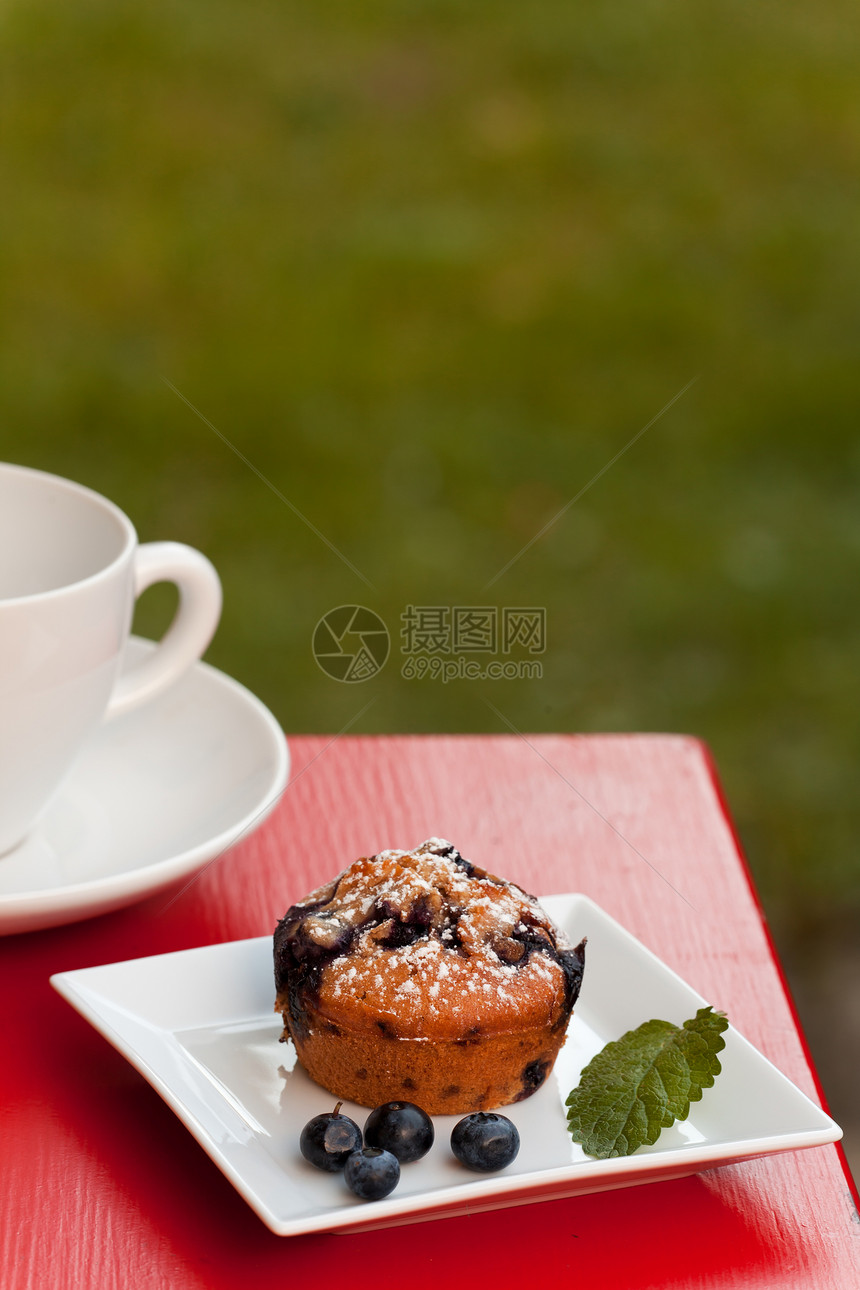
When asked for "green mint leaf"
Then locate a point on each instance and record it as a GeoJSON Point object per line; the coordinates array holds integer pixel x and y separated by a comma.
{"type": "Point", "coordinates": [644, 1082]}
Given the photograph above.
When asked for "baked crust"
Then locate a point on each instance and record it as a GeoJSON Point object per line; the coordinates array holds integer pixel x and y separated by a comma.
{"type": "Point", "coordinates": [417, 975]}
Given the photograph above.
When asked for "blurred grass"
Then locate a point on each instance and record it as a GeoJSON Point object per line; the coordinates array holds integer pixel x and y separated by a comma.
{"type": "Point", "coordinates": [429, 268]}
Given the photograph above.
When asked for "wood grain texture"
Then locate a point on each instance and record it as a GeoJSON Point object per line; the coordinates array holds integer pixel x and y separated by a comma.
{"type": "Point", "coordinates": [103, 1187]}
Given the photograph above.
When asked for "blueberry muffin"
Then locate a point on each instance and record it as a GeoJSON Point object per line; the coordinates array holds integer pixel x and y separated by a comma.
{"type": "Point", "coordinates": [417, 975]}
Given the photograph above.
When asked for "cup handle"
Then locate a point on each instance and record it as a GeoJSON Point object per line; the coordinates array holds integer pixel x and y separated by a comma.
{"type": "Point", "coordinates": [191, 630]}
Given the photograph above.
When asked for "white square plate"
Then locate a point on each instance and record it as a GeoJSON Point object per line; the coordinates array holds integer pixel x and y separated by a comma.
{"type": "Point", "coordinates": [199, 1026]}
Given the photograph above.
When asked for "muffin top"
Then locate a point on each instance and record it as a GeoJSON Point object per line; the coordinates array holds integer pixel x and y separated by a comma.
{"type": "Point", "coordinates": [424, 945]}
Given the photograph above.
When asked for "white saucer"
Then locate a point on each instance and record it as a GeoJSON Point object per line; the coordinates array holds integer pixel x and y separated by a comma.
{"type": "Point", "coordinates": [155, 795]}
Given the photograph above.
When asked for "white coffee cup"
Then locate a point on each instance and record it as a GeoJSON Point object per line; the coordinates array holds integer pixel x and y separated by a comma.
{"type": "Point", "coordinates": [70, 570]}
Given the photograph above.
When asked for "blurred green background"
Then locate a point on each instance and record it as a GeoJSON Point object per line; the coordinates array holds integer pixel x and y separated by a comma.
{"type": "Point", "coordinates": [429, 267]}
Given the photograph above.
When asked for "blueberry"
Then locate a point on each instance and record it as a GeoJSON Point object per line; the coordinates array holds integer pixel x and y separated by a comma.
{"type": "Point", "coordinates": [328, 1139]}
{"type": "Point", "coordinates": [485, 1141]}
{"type": "Point", "coordinates": [371, 1173]}
{"type": "Point", "coordinates": [401, 1128]}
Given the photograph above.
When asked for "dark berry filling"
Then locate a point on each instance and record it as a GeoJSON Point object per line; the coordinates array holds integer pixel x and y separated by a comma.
{"type": "Point", "coordinates": [416, 924]}
{"type": "Point", "coordinates": [540, 938]}
{"type": "Point", "coordinates": [532, 1078]}
{"type": "Point", "coordinates": [299, 961]}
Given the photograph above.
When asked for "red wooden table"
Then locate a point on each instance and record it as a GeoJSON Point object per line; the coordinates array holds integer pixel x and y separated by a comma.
{"type": "Point", "coordinates": [103, 1187]}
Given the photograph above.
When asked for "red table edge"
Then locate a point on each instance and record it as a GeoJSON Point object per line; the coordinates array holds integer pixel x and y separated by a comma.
{"type": "Point", "coordinates": [716, 783]}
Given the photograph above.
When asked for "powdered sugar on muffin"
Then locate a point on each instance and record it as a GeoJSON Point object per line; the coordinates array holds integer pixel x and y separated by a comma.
{"type": "Point", "coordinates": [423, 947]}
